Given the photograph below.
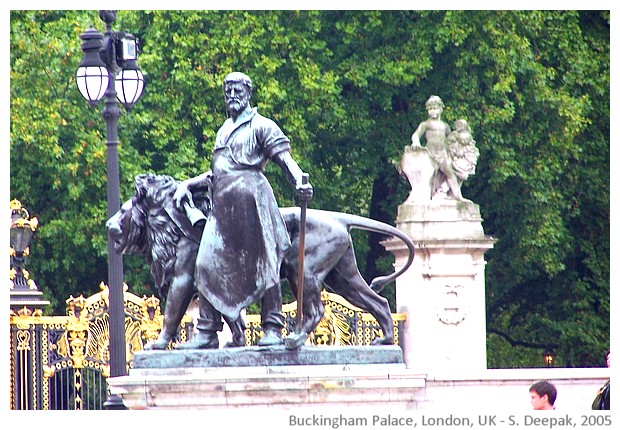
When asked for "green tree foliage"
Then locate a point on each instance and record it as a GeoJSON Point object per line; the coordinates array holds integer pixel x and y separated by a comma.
{"type": "Point", "coordinates": [348, 88]}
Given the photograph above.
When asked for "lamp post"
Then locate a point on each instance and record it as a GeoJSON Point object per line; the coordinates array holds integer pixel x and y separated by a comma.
{"type": "Point", "coordinates": [24, 291]}
{"type": "Point", "coordinates": [549, 357]}
{"type": "Point", "coordinates": [108, 70]}
{"type": "Point", "coordinates": [22, 230]}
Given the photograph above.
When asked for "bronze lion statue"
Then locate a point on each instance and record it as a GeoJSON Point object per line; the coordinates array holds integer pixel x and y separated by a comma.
{"type": "Point", "coordinates": [149, 224]}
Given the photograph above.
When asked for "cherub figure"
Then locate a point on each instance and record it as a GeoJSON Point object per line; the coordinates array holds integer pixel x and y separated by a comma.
{"type": "Point", "coordinates": [462, 150]}
{"type": "Point", "coordinates": [435, 132]}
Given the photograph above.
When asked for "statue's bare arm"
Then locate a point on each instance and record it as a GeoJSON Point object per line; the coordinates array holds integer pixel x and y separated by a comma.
{"type": "Point", "coordinates": [185, 188]}
{"type": "Point", "coordinates": [415, 137]}
{"type": "Point", "coordinates": [293, 174]}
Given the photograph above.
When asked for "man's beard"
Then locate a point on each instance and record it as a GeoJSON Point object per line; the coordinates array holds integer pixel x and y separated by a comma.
{"type": "Point", "coordinates": [236, 106]}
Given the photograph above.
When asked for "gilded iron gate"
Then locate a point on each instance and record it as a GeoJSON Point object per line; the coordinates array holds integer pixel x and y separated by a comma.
{"type": "Point", "coordinates": [61, 362]}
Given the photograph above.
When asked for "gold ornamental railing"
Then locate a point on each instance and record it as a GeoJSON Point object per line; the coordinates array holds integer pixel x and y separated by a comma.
{"type": "Point", "coordinates": [342, 324]}
{"type": "Point", "coordinates": [62, 362]}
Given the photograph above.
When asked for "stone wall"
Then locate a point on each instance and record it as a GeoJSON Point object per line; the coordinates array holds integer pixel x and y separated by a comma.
{"type": "Point", "coordinates": [497, 390]}
{"type": "Point", "coordinates": [375, 388]}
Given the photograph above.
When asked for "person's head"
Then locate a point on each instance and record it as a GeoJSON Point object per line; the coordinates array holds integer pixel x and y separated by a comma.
{"type": "Point", "coordinates": [434, 106]}
{"type": "Point", "coordinates": [237, 92]}
{"type": "Point", "coordinates": [543, 395]}
{"type": "Point", "coordinates": [461, 125]}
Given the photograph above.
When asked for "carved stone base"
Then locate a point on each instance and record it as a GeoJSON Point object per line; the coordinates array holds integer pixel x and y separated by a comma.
{"type": "Point", "coordinates": [268, 356]}
{"type": "Point", "coordinates": [254, 377]}
{"type": "Point", "coordinates": [336, 389]}
{"type": "Point", "coordinates": [443, 291]}
{"type": "Point", "coordinates": [440, 219]}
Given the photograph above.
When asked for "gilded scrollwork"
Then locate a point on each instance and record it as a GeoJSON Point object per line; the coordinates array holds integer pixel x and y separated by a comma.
{"type": "Point", "coordinates": [152, 319]}
{"type": "Point", "coordinates": [23, 340]}
{"type": "Point", "coordinates": [77, 330]}
{"type": "Point", "coordinates": [342, 324]}
{"type": "Point", "coordinates": [44, 348]}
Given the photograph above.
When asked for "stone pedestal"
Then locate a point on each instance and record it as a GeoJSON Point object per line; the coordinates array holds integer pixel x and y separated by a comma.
{"type": "Point", "coordinates": [443, 292]}
{"type": "Point", "coordinates": [258, 356]}
{"type": "Point", "coordinates": [260, 377]}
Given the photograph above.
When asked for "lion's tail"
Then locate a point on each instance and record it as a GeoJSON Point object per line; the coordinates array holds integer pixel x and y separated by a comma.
{"type": "Point", "coordinates": [367, 224]}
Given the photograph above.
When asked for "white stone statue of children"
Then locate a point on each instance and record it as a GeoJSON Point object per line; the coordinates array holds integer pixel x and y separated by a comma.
{"type": "Point", "coordinates": [435, 132]}
{"type": "Point", "coordinates": [462, 150]}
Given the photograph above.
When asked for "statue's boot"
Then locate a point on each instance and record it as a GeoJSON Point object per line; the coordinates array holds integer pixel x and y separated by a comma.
{"type": "Point", "coordinates": [237, 329]}
{"type": "Point", "coordinates": [272, 336]}
{"type": "Point", "coordinates": [295, 340]}
{"type": "Point", "coordinates": [201, 340]}
{"type": "Point", "coordinates": [157, 345]}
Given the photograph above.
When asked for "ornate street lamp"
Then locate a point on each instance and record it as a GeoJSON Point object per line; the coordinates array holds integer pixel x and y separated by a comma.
{"type": "Point", "coordinates": [109, 70]}
{"type": "Point", "coordinates": [24, 291]}
{"type": "Point", "coordinates": [109, 63]}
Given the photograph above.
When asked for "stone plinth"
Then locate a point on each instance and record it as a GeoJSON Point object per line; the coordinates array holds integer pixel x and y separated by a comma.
{"type": "Point", "coordinates": [372, 388]}
{"type": "Point", "coordinates": [272, 356]}
{"type": "Point", "coordinates": [443, 292]}
{"type": "Point", "coordinates": [440, 219]}
{"type": "Point", "coordinates": [215, 379]}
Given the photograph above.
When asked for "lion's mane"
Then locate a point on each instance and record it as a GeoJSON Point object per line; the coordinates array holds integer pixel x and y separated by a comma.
{"type": "Point", "coordinates": [160, 234]}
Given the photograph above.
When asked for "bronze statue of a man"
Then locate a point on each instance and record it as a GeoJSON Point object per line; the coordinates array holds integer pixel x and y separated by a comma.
{"type": "Point", "coordinates": [244, 238]}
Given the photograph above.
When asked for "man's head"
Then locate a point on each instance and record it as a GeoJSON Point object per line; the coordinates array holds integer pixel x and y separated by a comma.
{"type": "Point", "coordinates": [237, 92]}
{"type": "Point", "coordinates": [543, 395]}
